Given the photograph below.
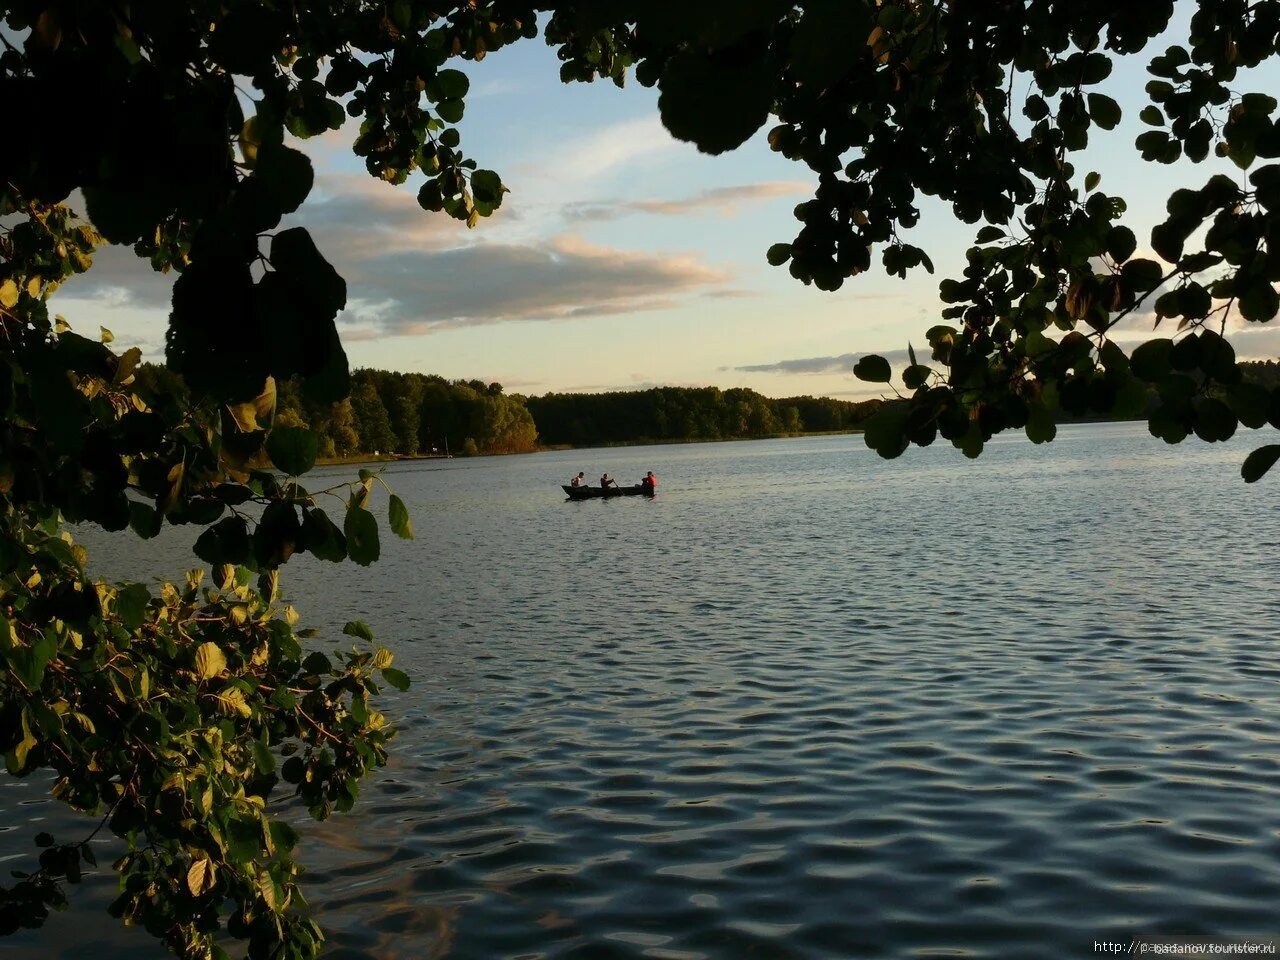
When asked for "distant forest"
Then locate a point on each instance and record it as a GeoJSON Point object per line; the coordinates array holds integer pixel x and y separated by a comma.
{"type": "Point", "coordinates": [414, 413]}
{"type": "Point", "coordinates": [672, 414]}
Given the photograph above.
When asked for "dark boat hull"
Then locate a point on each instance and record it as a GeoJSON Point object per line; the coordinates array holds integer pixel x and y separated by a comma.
{"type": "Point", "coordinates": [587, 493]}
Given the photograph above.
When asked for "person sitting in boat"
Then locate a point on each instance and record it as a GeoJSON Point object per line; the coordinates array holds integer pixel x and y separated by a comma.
{"type": "Point", "coordinates": [607, 481]}
{"type": "Point", "coordinates": [579, 480]}
{"type": "Point", "coordinates": [649, 483]}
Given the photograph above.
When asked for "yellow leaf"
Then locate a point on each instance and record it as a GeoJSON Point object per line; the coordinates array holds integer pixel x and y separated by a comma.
{"type": "Point", "coordinates": [267, 888]}
{"type": "Point", "coordinates": [33, 287]}
{"type": "Point", "coordinates": [8, 294]}
{"type": "Point", "coordinates": [200, 877]}
{"type": "Point", "coordinates": [382, 658]}
{"type": "Point", "coordinates": [210, 660]}
{"type": "Point", "coordinates": [107, 335]}
{"type": "Point", "coordinates": [231, 701]}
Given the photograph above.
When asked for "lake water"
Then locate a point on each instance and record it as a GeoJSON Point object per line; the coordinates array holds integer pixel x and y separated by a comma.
{"type": "Point", "coordinates": [806, 703]}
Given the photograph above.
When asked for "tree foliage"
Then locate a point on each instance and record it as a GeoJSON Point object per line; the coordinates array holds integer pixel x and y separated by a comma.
{"type": "Point", "coordinates": [888, 101]}
{"type": "Point", "coordinates": [176, 129]}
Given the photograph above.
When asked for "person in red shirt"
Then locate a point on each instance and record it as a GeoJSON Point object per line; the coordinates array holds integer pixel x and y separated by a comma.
{"type": "Point", "coordinates": [650, 483]}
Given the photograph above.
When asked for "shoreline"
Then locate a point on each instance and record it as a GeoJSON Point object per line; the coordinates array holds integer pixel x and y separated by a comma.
{"type": "Point", "coordinates": [552, 448]}
{"type": "Point", "coordinates": [357, 458]}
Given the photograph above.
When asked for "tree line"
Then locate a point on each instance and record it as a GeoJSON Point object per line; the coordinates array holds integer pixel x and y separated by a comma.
{"type": "Point", "coordinates": [412, 414]}
{"type": "Point", "coordinates": [675, 414]}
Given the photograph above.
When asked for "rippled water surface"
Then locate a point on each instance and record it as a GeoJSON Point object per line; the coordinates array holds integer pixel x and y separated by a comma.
{"type": "Point", "coordinates": [806, 703]}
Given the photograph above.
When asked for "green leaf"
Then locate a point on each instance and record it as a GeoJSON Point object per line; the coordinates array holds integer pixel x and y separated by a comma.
{"type": "Point", "coordinates": [885, 430]}
{"type": "Point", "coordinates": [1259, 302]}
{"type": "Point", "coordinates": [1251, 403]}
{"type": "Point", "coordinates": [1104, 111]}
{"type": "Point", "coordinates": [244, 840]}
{"type": "Point", "coordinates": [227, 541]}
{"type": "Point", "coordinates": [1142, 274]}
{"type": "Point", "coordinates": [399, 679]}
{"type": "Point", "coordinates": [1259, 462]}
{"type": "Point", "coordinates": [430, 198]}
{"type": "Point", "coordinates": [292, 449]}
{"type": "Point", "coordinates": [778, 254]}
{"type": "Point", "coordinates": [210, 660]}
{"type": "Point", "coordinates": [131, 605]}
{"type": "Point", "coordinates": [487, 187]}
{"type": "Point", "coordinates": [362, 535]}
{"type": "Point", "coordinates": [1040, 425]}
{"type": "Point", "coordinates": [358, 628]}
{"type": "Point", "coordinates": [1152, 360]}
{"type": "Point", "coordinates": [1097, 67]}
{"type": "Point", "coordinates": [872, 368]}
{"type": "Point", "coordinates": [283, 836]}
{"type": "Point", "coordinates": [915, 376]}
{"type": "Point", "coordinates": [450, 111]}
{"type": "Point", "coordinates": [277, 536]}
{"type": "Point", "coordinates": [1215, 422]}
{"type": "Point", "coordinates": [321, 537]}
{"type": "Point", "coordinates": [398, 518]}
{"type": "Point", "coordinates": [452, 84]}
{"type": "Point", "coordinates": [317, 662]}
{"type": "Point", "coordinates": [144, 520]}
{"type": "Point", "coordinates": [1091, 181]}
{"type": "Point", "coordinates": [263, 758]}
{"type": "Point", "coordinates": [1121, 243]}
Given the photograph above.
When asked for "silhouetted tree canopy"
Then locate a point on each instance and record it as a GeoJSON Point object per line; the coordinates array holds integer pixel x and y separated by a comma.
{"type": "Point", "coordinates": [177, 129]}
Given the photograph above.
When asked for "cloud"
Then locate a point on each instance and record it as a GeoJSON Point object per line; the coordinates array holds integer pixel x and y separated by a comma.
{"type": "Point", "coordinates": [842, 363]}
{"type": "Point", "coordinates": [719, 201]}
{"type": "Point", "coordinates": [410, 272]}
{"type": "Point", "coordinates": [411, 292]}
{"type": "Point", "coordinates": [355, 216]}
{"type": "Point", "coordinates": [608, 149]}
{"type": "Point", "coordinates": [836, 364]}
{"type": "Point", "coordinates": [120, 278]}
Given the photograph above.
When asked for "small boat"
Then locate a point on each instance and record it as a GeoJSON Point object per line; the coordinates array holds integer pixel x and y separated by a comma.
{"type": "Point", "coordinates": [586, 493]}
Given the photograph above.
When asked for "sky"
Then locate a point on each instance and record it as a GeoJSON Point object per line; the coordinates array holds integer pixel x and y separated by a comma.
{"type": "Point", "coordinates": [622, 258]}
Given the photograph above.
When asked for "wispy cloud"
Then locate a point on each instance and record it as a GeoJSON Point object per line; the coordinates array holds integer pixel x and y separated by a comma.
{"type": "Point", "coordinates": [826, 366]}
{"type": "Point", "coordinates": [407, 293]}
{"type": "Point", "coordinates": [719, 201]}
{"type": "Point", "coordinates": [608, 149]}
{"type": "Point", "coordinates": [355, 216]}
{"type": "Point", "coordinates": [841, 363]}
{"type": "Point", "coordinates": [410, 272]}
